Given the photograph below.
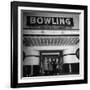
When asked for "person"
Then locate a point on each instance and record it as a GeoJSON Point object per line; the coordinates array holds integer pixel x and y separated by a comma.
{"type": "Point", "coordinates": [46, 66]}
{"type": "Point", "coordinates": [50, 68]}
{"type": "Point", "coordinates": [54, 66]}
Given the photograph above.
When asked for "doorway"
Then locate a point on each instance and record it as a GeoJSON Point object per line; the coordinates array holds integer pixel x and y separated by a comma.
{"type": "Point", "coordinates": [51, 62]}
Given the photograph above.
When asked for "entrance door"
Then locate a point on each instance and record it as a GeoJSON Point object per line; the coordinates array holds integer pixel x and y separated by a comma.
{"type": "Point", "coordinates": [51, 63]}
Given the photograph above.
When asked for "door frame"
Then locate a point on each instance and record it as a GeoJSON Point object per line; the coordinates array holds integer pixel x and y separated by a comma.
{"type": "Point", "coordinates": [49, 51]}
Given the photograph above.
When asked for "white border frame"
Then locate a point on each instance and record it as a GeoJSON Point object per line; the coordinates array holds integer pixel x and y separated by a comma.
{"type": "Point", "coordinates": [51, 78]}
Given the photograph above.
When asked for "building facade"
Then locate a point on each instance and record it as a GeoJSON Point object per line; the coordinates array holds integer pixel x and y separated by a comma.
{"type": "Point", "coordinates": [50, 43]}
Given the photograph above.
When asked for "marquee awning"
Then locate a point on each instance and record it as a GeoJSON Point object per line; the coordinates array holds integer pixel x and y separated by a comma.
{"type": "Point", "coordinates": [50, 40]}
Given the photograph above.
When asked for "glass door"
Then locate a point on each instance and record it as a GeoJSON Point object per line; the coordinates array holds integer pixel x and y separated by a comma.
{"type": "Point", "coordinates": [51, 64]}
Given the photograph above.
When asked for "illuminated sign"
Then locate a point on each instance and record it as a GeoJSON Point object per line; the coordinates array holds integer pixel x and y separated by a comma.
{"type": "Point", "coordinates": [56, 21]}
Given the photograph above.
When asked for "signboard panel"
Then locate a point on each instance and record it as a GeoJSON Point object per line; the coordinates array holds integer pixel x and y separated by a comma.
{"type": "Point", "coordinates": [57, 21]}
{"type": "Point", "coordinates": [39, 20]}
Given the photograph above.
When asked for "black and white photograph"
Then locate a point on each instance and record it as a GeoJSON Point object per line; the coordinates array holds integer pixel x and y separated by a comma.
{"type": "Point", "coordinates": [49, 44]}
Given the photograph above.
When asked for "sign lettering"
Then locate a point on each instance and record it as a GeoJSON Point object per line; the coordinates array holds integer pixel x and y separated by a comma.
{"type": "Point", "coordinates": [58, 21]}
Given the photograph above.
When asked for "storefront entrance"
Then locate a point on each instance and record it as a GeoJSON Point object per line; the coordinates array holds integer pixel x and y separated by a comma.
{"type": "Point", "coordinates": [51, 63]}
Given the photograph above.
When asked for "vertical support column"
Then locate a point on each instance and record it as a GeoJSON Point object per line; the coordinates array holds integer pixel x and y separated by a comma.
{"type": "Point", "coordinates": [70, 68]}
{"type": "Point", "coordinates": [68, 60]}
{"type": "Point", "coordinates": [31, 70]}
{"type": "Point", "coordinates": [41, 64]}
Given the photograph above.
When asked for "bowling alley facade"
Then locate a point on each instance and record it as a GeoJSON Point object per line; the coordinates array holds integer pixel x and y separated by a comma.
{"type": "Point", "coordinates": [47, 46]}
{"type": "Point", "coordinates": [50, 44]}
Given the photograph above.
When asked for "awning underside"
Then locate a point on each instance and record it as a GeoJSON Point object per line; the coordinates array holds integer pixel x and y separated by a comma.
{"type": "Point", "coordinates": [50, 40]}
